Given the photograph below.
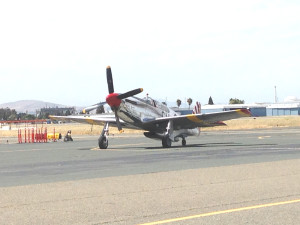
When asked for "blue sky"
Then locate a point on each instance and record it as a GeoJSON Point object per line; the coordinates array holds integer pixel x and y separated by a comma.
{"type": "Point", "coordinates": [57, 51]}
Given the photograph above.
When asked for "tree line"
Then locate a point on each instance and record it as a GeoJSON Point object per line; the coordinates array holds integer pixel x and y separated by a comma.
{"type": "Point", "coordinates": [11, 114]}
{"type": "Point", "coordinates": [211, 102]}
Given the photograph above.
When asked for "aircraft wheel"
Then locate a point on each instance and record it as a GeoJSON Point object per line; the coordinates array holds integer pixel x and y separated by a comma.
{"type": "Point", "coordinates": [103, 142]}
{"type": "Point", "coordinates": [183, 142]}
{"type": "Point", "coordinates": [166, 142]}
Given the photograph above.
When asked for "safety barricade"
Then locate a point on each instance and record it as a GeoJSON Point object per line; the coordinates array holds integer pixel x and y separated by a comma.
{"type": "Point", "coordinates": [34, 135]}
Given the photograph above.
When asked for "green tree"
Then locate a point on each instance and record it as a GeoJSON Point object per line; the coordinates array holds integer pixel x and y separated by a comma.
{"type": "Point", "coordinates": [178, 102]}
{"type": "Point", "coordinates": [8, 114]}
{"type": "Point", "coordinates": [25, 116]}
{"type": "Point", "coordinates": [12, 117]}
{"type": "Point", "coordinates": [43, 116]}
{"type": "Point", "coordinates": [236, 101]}
{"type": "Point", "coordinates": [189, 101]}
{"type": "Point", "coordinates": [30, 117]}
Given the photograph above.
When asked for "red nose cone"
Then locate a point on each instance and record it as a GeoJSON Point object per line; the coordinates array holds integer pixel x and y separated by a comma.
{"type": "Point", "coordinates": [112, 100]}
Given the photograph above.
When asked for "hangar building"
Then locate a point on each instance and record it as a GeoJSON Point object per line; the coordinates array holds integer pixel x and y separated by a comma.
{"type": "Point", "coordinates": [283, 109]}
{"type": "Point", "coordinates": [257, 110]}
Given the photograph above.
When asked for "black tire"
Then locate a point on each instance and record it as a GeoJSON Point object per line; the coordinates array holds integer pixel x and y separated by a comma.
{"type": "Point", "coordinates": [166, 142]}
{"type": "Point", "coordinates": [65, 139]}
{"type": "Point", "coordinates": [103, 142]}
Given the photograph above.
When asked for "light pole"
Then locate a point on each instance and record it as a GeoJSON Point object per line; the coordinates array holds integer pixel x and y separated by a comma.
{"type": "Point", "coordinates": [276, 99]}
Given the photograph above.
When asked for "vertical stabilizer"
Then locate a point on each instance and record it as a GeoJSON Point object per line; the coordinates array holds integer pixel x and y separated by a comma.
{"type": "Point", "coordinates": [197, 108]}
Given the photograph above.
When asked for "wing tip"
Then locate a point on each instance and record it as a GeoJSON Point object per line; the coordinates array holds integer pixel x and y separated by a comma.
{"type": "Point", "coordinates": [244, 112]}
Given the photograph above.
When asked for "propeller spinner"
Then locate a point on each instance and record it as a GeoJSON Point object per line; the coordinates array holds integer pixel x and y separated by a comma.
{"type": "Point", "coordinates": [114, 99]}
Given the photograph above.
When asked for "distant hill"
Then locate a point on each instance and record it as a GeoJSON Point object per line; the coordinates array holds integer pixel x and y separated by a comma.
{"type": "Point", "coordinates": [29, 106]}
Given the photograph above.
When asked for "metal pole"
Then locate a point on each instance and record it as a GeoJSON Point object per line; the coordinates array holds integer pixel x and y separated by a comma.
{"type": "Point", "coordinates": [276, 99]}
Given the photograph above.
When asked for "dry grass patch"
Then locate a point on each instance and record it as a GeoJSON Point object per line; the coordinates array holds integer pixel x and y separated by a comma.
{"type": "Point", "coordinates": [259, 123]}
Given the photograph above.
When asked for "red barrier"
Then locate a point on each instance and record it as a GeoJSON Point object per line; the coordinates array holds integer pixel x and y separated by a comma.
{"type": "Point", "coordinates": [24, 121]}
{"type": "Point", "coordinates": [25, 136]}
{"type": "Point", "coordinates": [45, 135]}
{"type": "Point", "coordinates": [32, 135]}
{"type": "Point", "coordinates": [20, 136]}
{"type": "Point", "coordinates": [28, 135]}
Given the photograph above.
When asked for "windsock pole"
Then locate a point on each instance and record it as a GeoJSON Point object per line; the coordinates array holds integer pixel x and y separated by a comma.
{"type": "Point", "coordinates": [54, 135]}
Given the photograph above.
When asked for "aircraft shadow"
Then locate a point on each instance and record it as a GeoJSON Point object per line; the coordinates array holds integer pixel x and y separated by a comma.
{"type": "Point", "coordinates": [209, 145]}
{"type": "Point", "coordinates": [206, 145]}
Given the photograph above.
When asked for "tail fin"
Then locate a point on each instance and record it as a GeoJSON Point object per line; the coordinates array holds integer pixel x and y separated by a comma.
{"type": "Point", "coordinates": [197, 108]}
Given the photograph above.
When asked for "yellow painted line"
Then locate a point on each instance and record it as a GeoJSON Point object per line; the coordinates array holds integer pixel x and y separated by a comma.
{"type": "Point", "coordinates": [29, 150]}
{"type": "Point", "coordinates": [32, 150]}
{"type": "Point", "coordinates": [263, 137]}
{"type": "Point", "coordinates": [129, 144]}
{"type": "Point", "coordinates": [113, 146]}
{"type": "Point", "coordinates": [222, 212]}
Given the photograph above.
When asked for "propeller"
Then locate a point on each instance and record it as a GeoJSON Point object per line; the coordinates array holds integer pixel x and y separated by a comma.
{"type": "Point", "coordinates": [110, 82]}
{"type": "Point", "coordinates": [90, 108]}
{"type": "Point", "coordinates": [114, 99]}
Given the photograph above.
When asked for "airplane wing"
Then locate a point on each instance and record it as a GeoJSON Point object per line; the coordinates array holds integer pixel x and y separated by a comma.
{"type": "Point", "coordinates": [199, 120]}
{"type": "Point", "coordinates": [179, 122]}
{"type": "Point", "coordinates": [90, 119]}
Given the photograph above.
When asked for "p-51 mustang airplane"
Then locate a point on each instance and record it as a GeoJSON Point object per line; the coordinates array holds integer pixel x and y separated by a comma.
{"type": "Point", "coordinates": [158, 120]}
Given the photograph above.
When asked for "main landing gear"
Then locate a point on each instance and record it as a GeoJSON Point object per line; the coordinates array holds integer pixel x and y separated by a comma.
{"type": "Point", "coordinates": [103, 140]}
{"type": "Point", "coordinates": [169, 136]}
{"type": "Point", "coordinates": [166, 141]}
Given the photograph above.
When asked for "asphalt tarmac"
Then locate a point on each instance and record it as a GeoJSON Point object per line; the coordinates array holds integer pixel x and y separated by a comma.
{"type": "Point", "coordinates": [231, 177]}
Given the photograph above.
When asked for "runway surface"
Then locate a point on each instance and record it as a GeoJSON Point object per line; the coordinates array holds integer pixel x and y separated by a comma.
{"type": "Point", "coordinates": [232, 177]}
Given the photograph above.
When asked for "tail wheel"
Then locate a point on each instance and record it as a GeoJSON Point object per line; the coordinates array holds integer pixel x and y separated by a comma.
{"type": "Point", "coordinates": [183, 142]}
{"type": "Point", "coordinates": [166, 142]}
{"type": "Point", "coordinates": [103, 142]}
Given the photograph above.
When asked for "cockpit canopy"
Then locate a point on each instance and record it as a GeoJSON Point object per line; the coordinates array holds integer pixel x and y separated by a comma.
{"type": "Point", "coordinates": [154, 103]}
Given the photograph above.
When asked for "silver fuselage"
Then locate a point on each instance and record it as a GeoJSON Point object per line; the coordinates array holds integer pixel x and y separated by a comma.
{"type": "Point", "coordinates": [136, 112]}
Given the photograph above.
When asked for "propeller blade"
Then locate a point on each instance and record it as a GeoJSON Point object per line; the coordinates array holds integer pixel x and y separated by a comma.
{"type": "Point", "coordinates": [130, 93]}
{"type": "Point", "coordinates": [90, 108]}
{"type": "Point", "coordinates": [118, 121]}
{"type": "Point", "coordinates": [110, 82]}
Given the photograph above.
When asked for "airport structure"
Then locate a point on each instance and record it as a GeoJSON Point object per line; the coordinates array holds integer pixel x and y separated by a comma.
{"type": "Point", "coordinates": [255, 109]}
{"type": "Point", "coordinates": [283, 109]}
{"type": "Point", "coordinates": [291, 106]}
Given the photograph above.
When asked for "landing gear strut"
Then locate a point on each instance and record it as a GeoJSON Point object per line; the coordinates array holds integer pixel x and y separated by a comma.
{"type": "Point", "coordinates": [103, 140]}
{"type": "Point", "coordinates": [166, 140]}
